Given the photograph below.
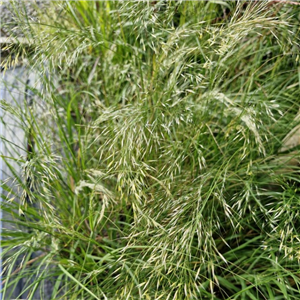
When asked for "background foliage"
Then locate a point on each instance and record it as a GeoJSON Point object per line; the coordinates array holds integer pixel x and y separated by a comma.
{"type": "Point", "coordinates": [157, 168]}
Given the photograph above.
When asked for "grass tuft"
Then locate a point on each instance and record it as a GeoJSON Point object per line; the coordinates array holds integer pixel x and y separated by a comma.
{"type": "Point", "coordinates": [159, 166]}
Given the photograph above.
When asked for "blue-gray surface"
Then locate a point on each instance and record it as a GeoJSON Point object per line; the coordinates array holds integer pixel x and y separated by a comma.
{"type": "Point", "coordinates": [13, 91]}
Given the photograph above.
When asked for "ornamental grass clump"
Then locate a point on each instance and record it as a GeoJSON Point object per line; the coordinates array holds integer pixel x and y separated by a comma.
{"type": "Point", "coordinates": [157, 168]}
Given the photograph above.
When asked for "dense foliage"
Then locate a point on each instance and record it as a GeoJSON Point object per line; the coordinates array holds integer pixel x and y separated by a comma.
{"type": "Point", "coordinates": [157, 167]}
